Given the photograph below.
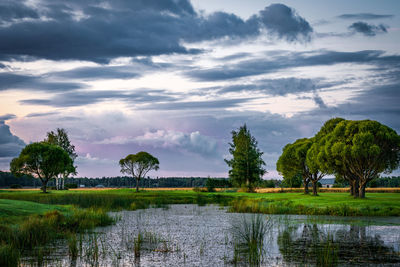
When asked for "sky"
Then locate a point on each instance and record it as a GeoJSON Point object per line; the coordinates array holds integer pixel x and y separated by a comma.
{"type": "Point", "coordinates": [175, 77]}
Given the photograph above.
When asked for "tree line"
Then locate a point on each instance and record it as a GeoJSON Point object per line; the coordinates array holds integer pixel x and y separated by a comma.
{"type": "Point", "coordinates": [356, 152]}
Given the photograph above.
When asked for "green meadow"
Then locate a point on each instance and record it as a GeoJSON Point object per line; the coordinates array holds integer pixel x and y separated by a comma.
{"type": "Point", "coordinates": [339, 204]}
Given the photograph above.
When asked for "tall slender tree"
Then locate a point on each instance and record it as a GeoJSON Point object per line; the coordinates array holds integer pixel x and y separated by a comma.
{"type": "Point", "coordinates": [61, 139]}
{"type": "Point", "coordinates": [247, 165]}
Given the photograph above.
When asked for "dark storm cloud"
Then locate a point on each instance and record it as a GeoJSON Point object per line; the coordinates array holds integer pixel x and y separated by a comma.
{"type": "Point", "coordinates": [285, 60]}
{"type": "Point", "coordinates": [283, 21]}
{"type": "Point", "coordinates": [16, 81]}
{"type": "Point", "coordinates": [10, 145]}
{"type": "Point", "coordinates": [13, 10]}
{"type": "Point", "coordinates": [365, 16]}
{"type": "Point", "coordinates": [82, 98]}
{"type": "Point", "coordinates": [89, 30]}
{"type": "Point", "coordinates": [367, 29]}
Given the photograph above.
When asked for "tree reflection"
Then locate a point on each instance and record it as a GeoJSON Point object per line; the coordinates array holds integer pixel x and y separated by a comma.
{"type": "Point", "coordinates": [311, 244]}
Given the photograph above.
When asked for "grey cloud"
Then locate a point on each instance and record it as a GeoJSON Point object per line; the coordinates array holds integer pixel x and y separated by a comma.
{"type": "Point", "coordinates": [286, 60]}
{"type": "Point", "coordinates": [88, 73]}
{"type": "Point", "coordinates": [42, 114]}
{"type": "Point", "coordinates": [367, 29]}
{"type": "Point", "coordinates": [283, 21]}
{"type": "Point", "coordinates": [6, 117]}
{"type": "Point", "coordinates": [196, 105]}
{"type": "Point", "coordinates": [133, 28]}
{"type": "Point", "coordinates": [10, 145]}
{"type": "Point", "coordinates": [14, 10]}
{"type": "Point", "coordinates": [279, 87]}
{"type": "Point", "coordinates": [25, 82]}
{"type": "Point", "coordinates": [319, 101]}
{"type": "Point", "coordinates": [365, 16]}
{"type": "Point", "coordinates": [81, 98]}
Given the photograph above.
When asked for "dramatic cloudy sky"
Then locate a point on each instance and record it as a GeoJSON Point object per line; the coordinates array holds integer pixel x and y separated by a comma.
{"type": "Point", "coordinates": [175, 77]}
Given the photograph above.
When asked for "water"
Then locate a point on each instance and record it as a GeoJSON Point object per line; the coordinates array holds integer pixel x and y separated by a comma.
{"type": "Point", "coordinates": [190, 235]}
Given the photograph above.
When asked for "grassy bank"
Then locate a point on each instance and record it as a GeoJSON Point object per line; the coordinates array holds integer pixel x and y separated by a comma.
{"type": "Point", "coordinates": [376, 204]}
{"type": "Point", "coordinates": [26, 225]}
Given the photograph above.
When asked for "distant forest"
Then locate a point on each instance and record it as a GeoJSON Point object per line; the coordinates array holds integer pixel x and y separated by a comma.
{"type": "Point", "coordinates": [9, 180]}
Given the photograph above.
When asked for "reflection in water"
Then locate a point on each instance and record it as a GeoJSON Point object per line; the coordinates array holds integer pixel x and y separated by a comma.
{"type": "Point", "coordinates": [189, 235]}
{"type": "Point", "coordinates": [319, 245]}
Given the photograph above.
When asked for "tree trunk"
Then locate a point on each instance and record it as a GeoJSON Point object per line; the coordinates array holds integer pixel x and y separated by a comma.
{"type": "Point", "coordinates": [351, 189]}
{"type": "Point", "coordinates": [314, 188]}
{"type": "Point", "coordinates": [355, 188]}
{"type": "Point", "coordinates": [306, 182]}
{"type": "Point", "coordinates": [44, 186]}
{"type": "Point", "coordinates": [57, 185]}
{"type": "Point", "coordinates": [137, 184]}
{"type": "Point", "coordinates": [361, 191]}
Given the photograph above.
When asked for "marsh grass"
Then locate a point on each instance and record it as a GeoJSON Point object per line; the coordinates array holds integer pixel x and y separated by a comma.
{"type": "Point", "coordinates": [9, 256]}
{"type": "Point", "coordinates": [249, 238]}
{"type": "Point", "coordinates": [40, 229]}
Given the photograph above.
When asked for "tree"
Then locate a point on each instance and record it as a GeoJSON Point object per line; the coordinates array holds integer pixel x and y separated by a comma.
{"type": "Point", "coordinates": [60, 138]}
{"type": "Point", "coordinates": [138, 165]}
{"type": "Point", "coordinates": [295, 181]}
{"type": "Point", "coordinates": [292, 161]}
{"type": "Point", "coordinates": [43, 161]}
{"type": "Point", "coordinates": [364, 149]}
{"type": "Point", "coordinates": [246, 163]}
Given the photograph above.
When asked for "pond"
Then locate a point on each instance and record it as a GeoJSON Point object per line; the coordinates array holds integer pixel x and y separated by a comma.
{"type": "Point", "coordinates": [191, 235]}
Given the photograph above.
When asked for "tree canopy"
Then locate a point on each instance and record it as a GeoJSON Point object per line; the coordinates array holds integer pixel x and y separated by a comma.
{"type": "Point", "coordinates": [363, 150]}
{"type": "Point", "coordinates": [42, 160]}
{"type": "Point", "coordinates": [246, 163]}
{"type": "Point", "coordinates": [292, 162]}
{"type": "Point", "coordinates": [138, 165]}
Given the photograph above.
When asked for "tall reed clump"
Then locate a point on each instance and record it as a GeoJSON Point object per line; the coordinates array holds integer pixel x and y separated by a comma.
{"type": "Point", "coordinates": [9, 255]}
{"type": "Point", "coordinates": [38, 230]}
{"type": "Point", "coordinates": [249, 237]}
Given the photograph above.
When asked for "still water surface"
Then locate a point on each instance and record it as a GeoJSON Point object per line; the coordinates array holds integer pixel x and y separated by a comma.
{"type": "Point", "coordinates": [191, 235]}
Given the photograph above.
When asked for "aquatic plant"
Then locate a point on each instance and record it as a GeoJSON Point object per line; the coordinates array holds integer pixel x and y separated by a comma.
{"type": "Point", "coordinates": [249, 236]}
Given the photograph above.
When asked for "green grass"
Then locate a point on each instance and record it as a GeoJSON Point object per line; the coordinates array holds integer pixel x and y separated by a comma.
{"type": "Point", "coordinates": [12, 211]}
{"type": "Point", "coordinates": [340, 204]}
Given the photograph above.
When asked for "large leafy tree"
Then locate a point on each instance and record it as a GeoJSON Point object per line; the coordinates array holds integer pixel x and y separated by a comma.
{"type": "Point", "coordinates": [246, 163]}
{"type": "Point", "coordinates": [364, 149]}
{"type": "Point", "coordinates": [292, 161]}
{"type": "Point", "coordinates": [43, 161]}
{"type": "Point", "coordinates": [60, 138]}
{"type": "Point", "coordinates": [138, 165]}
{"type": "Point", "coordinates": [319, 158]}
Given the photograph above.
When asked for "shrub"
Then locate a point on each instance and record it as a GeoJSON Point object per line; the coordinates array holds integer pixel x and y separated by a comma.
{"type": "Point", "coordinates": [15, 186]}
{"type": "Point", "coordinates": [71, 186]}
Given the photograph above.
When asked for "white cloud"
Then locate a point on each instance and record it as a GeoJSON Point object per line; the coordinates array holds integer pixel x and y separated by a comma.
{"type": "Point", "coordinates": [192, 142]}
